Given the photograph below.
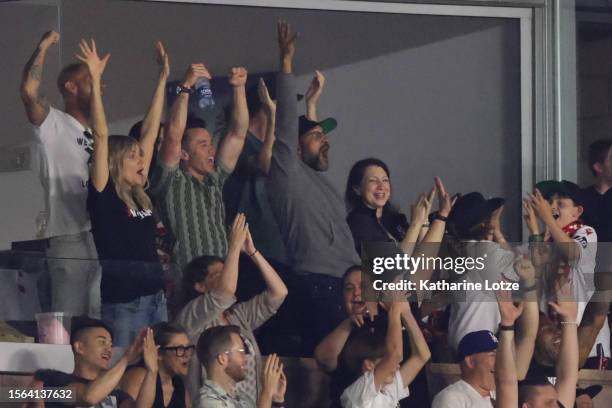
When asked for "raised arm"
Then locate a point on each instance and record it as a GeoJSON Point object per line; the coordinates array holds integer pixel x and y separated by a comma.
{"type": "Point", "coordinates": [99, 170]}
{"type": "Point", "coordinates": [393, 347]}
{"type": "Point", "coordinates": [286, 90]}
{"type": "Point", "coordinates": [286, 46]}
{"type": "Point", "coordinates": [36, 104]}
{"type": "Point", "coordinates": [430, 244]}
{"type": "Point", "coordinates": [418, 218]}
{"type": "Point", "coordinates": [146, 395]}
{"type": "Point", "coordinates": [420, 353]}
{"type": "Point", "coordinates": [506, 382]}
{"type": "Point", "coordinates": [94, 392]}
{"type": "Point", "coordinates": [269, 106]}
{"type": "Point", "coordinates": [593, 320]}
{"type": "Point", "coordinates": [529, 320]}
{"type": "Point", "coordinates": [170, 152]}
{"type": "Point", "coordinates": [150, 125]}
{"type": "Point", "coordinates": [327, 351]}
{"type": "Point", "coordinates": [313, 93]}
{"type": "Point", "coordinates": [569, 248]}
{"type": "Point", "coordinates": [229, 275]}
{"type": "Point", "coordinates": [275, 287]}
{"type": "Point", "coordinates": [566, 367]}
{"type": "Point", "coordinates": [233, 142]}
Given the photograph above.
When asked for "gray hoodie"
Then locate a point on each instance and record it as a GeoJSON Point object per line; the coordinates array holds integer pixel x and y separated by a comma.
{"type": "Point", "coordinates": [309, 211]}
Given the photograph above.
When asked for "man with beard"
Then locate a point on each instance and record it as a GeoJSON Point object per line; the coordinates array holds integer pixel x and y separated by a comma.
{"type": "Point", "coordinates": [66, 145]}
{"type": "Point", "coordinates": [309, 210]}
{"type": "Point", "coordinates": [224, 354]}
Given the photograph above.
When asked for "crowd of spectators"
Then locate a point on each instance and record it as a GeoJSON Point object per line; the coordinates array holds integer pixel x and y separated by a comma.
{"type": "Point", "coordinates": [258, 208]}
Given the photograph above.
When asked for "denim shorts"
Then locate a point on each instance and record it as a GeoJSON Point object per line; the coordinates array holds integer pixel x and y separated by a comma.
{"type": "Point", "coordinates": [128, 319]}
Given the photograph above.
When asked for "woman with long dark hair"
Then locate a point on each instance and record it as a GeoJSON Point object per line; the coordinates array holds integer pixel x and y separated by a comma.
{"type": "Point", "coordinates": [372, 217]}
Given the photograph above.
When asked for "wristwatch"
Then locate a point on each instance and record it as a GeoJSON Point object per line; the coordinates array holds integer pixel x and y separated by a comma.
{"type": "Point", "coordinates": [180, 89]}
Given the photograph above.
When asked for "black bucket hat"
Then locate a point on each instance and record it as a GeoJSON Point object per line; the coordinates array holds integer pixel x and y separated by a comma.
{"type": "Point", "coordinates": [470, 210]}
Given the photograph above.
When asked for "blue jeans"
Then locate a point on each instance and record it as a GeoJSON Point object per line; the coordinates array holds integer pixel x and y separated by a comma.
{"type": "Point", "coordinates": [128, 319]}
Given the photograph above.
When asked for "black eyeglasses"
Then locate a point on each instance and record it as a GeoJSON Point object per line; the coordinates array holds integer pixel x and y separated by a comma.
{"type": "Point", "coordinates": [180, 351]}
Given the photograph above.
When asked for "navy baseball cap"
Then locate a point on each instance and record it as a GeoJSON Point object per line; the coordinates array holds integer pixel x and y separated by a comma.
{"type": "Point", "coordinates": [327, 125]}
{"type": "Point", "coordinates": [481, 341]}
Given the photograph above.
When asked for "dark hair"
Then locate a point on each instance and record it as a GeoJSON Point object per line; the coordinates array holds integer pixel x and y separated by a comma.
{"type": "Point", "coordinates": [351, 269]}
{"type": "Point", "coordinates": [135, 132]}
{"type": "Point", "coordinates": [476, 232]}
{"type": "Point", "coordinates": [214, 341]}
{"type": "Point", "coordinates": [82, 324]}
{"type": "Point", "coordinates": [164, 331]}
{"type": "Point", "coordinates": [528, 388]}
{"type": "Point", "coordinates": [351, 198]}
{"type": "Point", "coordinates": [196, 271]}
{"type": "Point", "coordinates": [136, 129]}
{"type": "Point", "coordinates": [252, 96]}
{"type": "Point", "coordinates": [363, 344]}
{"type": "Point", "coordinates": [67, 74]}
{"type": "Point", "coordinates": [598, 151]}
{"type": "Point", "coordinates": [193, 122]}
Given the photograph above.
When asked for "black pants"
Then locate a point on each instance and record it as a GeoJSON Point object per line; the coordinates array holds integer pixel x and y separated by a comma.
{"type": "Point", "coordinates": [313, 308]}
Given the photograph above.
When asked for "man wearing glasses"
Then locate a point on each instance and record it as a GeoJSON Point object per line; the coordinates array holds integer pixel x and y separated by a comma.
{"type": "Point", "coordinates": [222, 351]}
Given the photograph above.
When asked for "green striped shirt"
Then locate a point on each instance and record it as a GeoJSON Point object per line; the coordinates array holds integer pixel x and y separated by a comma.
{"type": "Point", "coordinates": [193, 211]}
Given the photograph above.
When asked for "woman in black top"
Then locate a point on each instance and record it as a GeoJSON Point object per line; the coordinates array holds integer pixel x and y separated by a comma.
{"type": "Point", "coordinates": [121, 212]}
{"type": "Point", "coordinates": [175, 352]}
{"type": "Point", "coordinates": [372, 218]}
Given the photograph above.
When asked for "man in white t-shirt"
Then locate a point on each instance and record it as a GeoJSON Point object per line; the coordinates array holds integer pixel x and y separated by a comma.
{"type": "Point", "coordinates": [476, 354]}
{"type": "Point", "coordinates": [66, 145]}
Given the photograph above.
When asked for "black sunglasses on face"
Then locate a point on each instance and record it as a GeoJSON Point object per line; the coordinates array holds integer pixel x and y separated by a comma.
{"type": "Point", "coordinates": [180, 351]}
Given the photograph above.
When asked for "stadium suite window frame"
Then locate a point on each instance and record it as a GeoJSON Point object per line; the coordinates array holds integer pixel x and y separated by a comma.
{"type": "Point", "coordinates": [548, 95]}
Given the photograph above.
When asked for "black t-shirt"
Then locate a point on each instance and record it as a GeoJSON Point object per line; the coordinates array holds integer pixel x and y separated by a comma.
{"type": "Point", "coordinates": [598, 212]}
{"type": "Point", "coordinates": [177, 400]}
{"type": "Point", "coordinates": [538, 370]}
{"type": "Point", "coordinates": [59, 379]}
{"type": "Point", "coordinates": [125, 240]}
{"type": "Point", "coordinates": [365, 227]}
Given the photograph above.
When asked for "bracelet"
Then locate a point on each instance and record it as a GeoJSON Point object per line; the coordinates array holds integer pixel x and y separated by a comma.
{"type": "Point", "coordinates": [278, 404]}
{"type": "Point", "coordinates": [536, 238]}
{"type": "Point", "coordinates": [569, 323]}
{"type": "Point", "coordinates": [440, 217]}
{"type": "Point", "coordinates": [251, 255]}
{"type": "Point", "coordinates": [506, 328]}
{"type": "Point", "coordinates": [530, 288]}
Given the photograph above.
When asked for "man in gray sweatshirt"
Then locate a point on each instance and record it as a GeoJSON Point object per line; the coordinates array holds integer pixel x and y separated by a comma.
{"type": "Point", "coordinates": [310, 212]}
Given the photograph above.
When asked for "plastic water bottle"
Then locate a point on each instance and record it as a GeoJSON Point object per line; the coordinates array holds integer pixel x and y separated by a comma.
{"type": "Point", "coordinates": [204, 94]}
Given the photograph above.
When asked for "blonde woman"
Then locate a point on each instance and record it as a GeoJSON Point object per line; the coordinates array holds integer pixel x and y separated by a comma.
{"type": "Point", "coordinates": [121, 212]}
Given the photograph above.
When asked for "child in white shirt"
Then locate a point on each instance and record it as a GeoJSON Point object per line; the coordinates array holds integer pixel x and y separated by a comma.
{"type": "Point", "coordinates": [382, 382]}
